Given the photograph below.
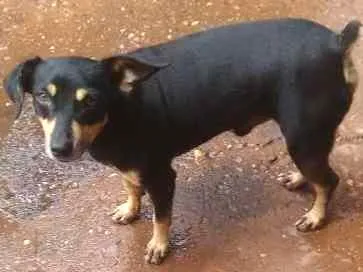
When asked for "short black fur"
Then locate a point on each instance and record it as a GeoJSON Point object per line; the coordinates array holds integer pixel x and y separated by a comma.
{"type": "Point", "coordinates": [228, 78]}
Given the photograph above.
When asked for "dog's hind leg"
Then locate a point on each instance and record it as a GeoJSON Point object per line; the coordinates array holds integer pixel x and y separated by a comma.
{"type": "Point", "coordinates": [308, 121]}
{"type": "Point", "coordinates": [316, 170]}
{"type": "Point", "coordinates": [309, 147]}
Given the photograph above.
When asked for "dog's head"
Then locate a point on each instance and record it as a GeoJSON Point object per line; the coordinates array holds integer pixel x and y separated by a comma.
{"type": "Point", "coordinates": [71, 96]}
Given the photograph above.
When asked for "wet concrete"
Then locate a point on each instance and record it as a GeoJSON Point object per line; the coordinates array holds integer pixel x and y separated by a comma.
{"type": "Point", "coordinates": [230, 214]}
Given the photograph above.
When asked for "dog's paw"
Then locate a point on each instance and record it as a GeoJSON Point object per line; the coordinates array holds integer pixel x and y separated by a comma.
{"type": "Point", "coordinates": [310, 221]}
{"type": "Point", "coordinates": [123, 214]}
{"type": "Point", "coordinates": [156, 251]}
{"type": "Point", "coordinates": [292, 181]}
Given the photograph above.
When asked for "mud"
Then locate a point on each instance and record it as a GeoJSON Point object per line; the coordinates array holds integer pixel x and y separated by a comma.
{"type": "Point", "coordinates": [230, 213]}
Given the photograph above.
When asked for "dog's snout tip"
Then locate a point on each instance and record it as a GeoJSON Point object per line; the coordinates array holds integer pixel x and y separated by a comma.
{"type": "Point", "coordinates": [63, 150]}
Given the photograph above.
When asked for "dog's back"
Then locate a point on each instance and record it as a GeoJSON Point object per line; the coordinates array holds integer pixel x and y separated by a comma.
{"type": "Point", "coordinates": [218, 79]}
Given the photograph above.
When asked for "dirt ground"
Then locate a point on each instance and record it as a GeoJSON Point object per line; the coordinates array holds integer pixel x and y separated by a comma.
{"type": "Point", "coordinates": [230, 212]}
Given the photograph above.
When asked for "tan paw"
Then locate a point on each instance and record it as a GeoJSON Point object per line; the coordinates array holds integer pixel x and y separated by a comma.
{"type": "Point", "coordinates": [123, 214]}
{"type": "Point", "coordinates": [312, 220]}
{"type": "Point", "coordinates": [292, 181]}
{"type": "Point", "coordinates": [156, 251]}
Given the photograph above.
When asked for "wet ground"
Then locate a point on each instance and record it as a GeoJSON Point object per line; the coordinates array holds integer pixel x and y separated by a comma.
{"type": "Point", "coordinates": [230, 213]}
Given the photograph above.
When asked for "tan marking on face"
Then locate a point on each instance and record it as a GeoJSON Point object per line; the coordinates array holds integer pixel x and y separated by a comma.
{"type": "Point", "coordinates": [48, 127]}
{"type": "Point", "coordinates": [52, 89]}
{"type": "Point", "coordinates": [86, 133]}
{"type": "Point", "coordinates": [81, 94]}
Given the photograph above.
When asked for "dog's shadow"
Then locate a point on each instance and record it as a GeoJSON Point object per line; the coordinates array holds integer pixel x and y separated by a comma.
{"type": "Point", "coordinates": [209, 203]}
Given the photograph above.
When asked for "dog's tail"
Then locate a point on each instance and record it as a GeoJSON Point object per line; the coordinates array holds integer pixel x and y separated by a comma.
{"type": "Point", "coordinates": [346, 39]}
{"type": "Point", "coordinates": [349, 34]}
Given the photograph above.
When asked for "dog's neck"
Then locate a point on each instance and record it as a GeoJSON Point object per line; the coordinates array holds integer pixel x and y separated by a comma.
{"type": "Point", "coordinates": [120, 133]}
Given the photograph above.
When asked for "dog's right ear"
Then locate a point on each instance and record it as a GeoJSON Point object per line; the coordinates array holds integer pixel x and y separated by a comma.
{"type": "Point", "coordinates": [127, 71]}
{"type": "Point", "coordinates": [19, 81]}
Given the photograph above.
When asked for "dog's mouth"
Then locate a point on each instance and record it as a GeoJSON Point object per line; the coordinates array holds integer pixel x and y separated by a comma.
{"type": "Point", "coordinates": [68, 159]}
{"type": "Point", "coordinates": [74, 154]}
{"type": "Point", "coordinates": [69, 146]}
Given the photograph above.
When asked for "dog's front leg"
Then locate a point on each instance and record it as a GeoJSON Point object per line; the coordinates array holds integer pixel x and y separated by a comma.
{"type": "Point", "coordinates": [160, 185]}
{"type": "Point", "coordinates": [129, 211]}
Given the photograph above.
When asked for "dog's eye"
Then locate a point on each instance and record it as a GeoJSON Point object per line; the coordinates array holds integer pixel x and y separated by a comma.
{"type": "Point", "coordinates": [90, 101]}
{"type": "Point", "coordinates": [42, 96]}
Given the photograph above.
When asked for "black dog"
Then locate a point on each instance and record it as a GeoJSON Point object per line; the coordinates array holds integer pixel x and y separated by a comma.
{"type": "Point", "coordinates": [139, 110]}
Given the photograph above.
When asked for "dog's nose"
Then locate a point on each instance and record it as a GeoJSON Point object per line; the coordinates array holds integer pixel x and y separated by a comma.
{"type": "Point", "coordinates": [62, 150]}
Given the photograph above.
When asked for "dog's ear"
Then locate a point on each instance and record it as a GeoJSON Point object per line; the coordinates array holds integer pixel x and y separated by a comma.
{"type": "Point", "coordinates": [19, 81]}
{"type": "Point", "coordinates": [128, 71]}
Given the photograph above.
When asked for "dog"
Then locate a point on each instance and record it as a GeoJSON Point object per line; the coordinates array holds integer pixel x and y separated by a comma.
{"type": "Point", "coordinates": [139, 110]}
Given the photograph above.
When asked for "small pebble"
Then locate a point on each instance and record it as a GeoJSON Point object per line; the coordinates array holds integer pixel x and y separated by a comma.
{"type": "Point", "coordinates": [198, 154]}
{"type": "Point", "coordinates": [238, 160]}
{"type": "Point", "coordinates": [272, 159]}
{"type": "Point", "coordinates": [350, 182]}
{"type": "Point", "coordinates": [27, 242]}
{"type": "Point", "coordinates": [113, 175]}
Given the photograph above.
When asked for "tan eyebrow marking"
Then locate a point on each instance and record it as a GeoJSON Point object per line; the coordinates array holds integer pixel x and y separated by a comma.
{"type": "Point", "coordinates": [81, 94]}
{"type": "Point", "coordinates": [52, 89]}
